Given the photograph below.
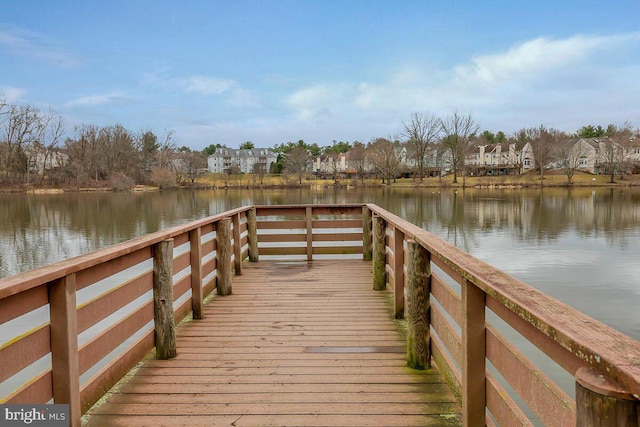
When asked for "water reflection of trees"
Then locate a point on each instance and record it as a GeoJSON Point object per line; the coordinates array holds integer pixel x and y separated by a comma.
{"type": "Point", "coordinates": [39, 229]}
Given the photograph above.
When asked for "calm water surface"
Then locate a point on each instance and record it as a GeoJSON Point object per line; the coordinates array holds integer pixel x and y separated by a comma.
{"type": "Point", "coordinates": [581, 246]}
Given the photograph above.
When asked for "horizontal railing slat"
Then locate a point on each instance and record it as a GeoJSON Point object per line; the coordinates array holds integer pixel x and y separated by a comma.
{"type": "Point", "coordinates": [502, 406]}
{"type": "Point", "coordinates": [108, 340]}
{"type": "Point", "coordinates": [448, 335]}
{"type": "Point", "coordinates": [37, 390]}
{"type": "Point", "coordinates": [181, 262]}
{"type": "Point", "coordinates": [24, 351]}
{"type": "Point", "coordinates": [448, 299]}
{"type": "Point", "coordinates": [108, 303]}
{"type": "Point", "coordinates": [108, 376]}
{"type": "Point", "coordinates": [281, 238]}
{"type": "Point", "coordinates": [24, 302]}
{"type": "Point", "coordinates": [181, 287]}
{"type": "Point", "coordinates": [552, 405]}
{"type": "Point", "coordinates": [282, 225]}
{"type": "Point", "coordinates": [283, 251]}
{"type": "Point", "coordinates": [208, 267]}
{"type": "Point", "coordinates": [562, 356]}
{"type": "Point", "coordinates": [338, 237]}
{"type": "Point", "coordinates": [101, 271]}
{"type": "Point", "coordinates": [447, 366]}
{"type": "Point", "coordinates": [337, 223]}
{"type": "Point", "coordinates": [337, 250]}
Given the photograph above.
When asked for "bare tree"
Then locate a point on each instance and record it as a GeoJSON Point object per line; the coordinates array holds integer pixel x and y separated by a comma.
{"type": "Point", "coordinates": [457, 132]}
{"type": "Point", "coordinates": [385, 159]}
{"type": "Point", "coordinates": [18, 134]}
{"type": "Point", "coordinates": [84, 154]}
{"type": "Point", "coordinates": [259, 171]}
{"type": "Point", "coordinates": [421, 131]}
{"type": "Point", "coordinates": [358, 160]}
{"type": "Point", "coordinates": [571, 153]}
{"type": "Point", "coordinates": [189, 163]}
{"type": "Point", "coordinates": [167, 152]}
{"type": "Point", "coordinates": [54, 132]}
{"type": "Point", "coordinates": [333, 160]}
{"type": "Point", "coordinates": [613, 153]}
{"type": "Point", "coordinates": [296, 162]}
{"type": "Point", "coordinates": [545, 146]}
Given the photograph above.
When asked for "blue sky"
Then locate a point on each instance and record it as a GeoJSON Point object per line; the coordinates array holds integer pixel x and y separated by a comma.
{"type": "Point", "coordinates": [278, 71]}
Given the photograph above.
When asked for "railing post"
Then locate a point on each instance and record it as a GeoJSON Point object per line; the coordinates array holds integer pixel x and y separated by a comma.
{"type": "Point", "coordinates": [252, 229]}
{"type": "Point", "coordinates": [379, 254]}
{"type": "Point", "coordinates": [165, 328]}
{"type": "Point", "coordinates": [599, 402]}
{"type": "Point", "coordinates": [366, 234]}
{"type": "Point", "coordinates": [473, 356]}
{"type": "Point", "coordinates": [195, 255]}
{"type": "Point", "coordinates": [237, 245]}
{"type": "Point", "coordinates": [419, 290]}
{"type": "Point", "coordinates": [398, 273]}
{"type": "Point", "coordinates": [65, 371]}
{"type": "Point", "coordinates": [309, 217]}
{"type": "Point", "coordinates": [223, 257]}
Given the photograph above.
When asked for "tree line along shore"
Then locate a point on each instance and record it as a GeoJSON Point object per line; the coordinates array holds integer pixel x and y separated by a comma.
{"type": "Point", "coordinates": [37, 152]}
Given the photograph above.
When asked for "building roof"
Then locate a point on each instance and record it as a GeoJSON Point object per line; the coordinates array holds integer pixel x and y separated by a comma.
{"type": "Point", "coordinates": [242, 153]}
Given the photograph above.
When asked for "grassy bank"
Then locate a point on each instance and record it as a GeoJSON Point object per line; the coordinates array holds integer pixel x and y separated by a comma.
{"type": "Point", "coordinates": [552, 179]}
{"type": "Point", "coordinates": [219, 181]}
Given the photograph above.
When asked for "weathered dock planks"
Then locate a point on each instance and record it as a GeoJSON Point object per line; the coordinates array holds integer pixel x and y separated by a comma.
{"type": "Point", "coordinates": [295, 344]}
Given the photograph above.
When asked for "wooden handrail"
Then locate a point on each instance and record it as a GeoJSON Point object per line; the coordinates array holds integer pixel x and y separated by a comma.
{"type": "Point", "coordinates": [572, 339]}
{"type": "Point", "coordinates": [38, 276]}
{"type": "Point", "coordinates": [21, 294]}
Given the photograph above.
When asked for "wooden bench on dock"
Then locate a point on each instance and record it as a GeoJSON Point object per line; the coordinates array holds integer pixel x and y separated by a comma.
{"type": "Point", "coordinates": [352, 316]}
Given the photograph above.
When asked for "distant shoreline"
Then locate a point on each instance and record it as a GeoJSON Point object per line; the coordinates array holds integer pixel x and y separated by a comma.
{"type": "Point", "coordinates": [278, 183]}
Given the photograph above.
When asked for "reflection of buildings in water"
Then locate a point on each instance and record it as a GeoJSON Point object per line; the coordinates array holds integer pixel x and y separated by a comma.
{"type": "Point", "coordinates": [536, 215]}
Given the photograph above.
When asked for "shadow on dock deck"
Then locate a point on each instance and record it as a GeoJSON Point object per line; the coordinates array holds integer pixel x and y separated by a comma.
{"type": "Point", "coordinates": [304, 344]}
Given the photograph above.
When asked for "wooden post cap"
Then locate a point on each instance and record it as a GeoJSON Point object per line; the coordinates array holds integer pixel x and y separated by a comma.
{"type": "Point", "coordinates": [592, 380]}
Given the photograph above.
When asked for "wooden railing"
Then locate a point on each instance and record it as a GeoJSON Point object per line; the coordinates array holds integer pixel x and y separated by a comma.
{"type": "Point", "coordinates": [464, 293]}
{"type": "Point", "coordinates": [79, 325]}
{"type": "Point", "coordinates": [72, 329]}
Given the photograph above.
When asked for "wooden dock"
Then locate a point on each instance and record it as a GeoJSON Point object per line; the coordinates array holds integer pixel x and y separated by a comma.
{"type": "Point", "coordinates": [308, 341]}
{"type": "Point", "coordinates": [296, 344]}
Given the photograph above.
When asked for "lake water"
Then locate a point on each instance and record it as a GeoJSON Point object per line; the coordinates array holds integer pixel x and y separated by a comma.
{"type": "Point", "coordinates": [581, 246]}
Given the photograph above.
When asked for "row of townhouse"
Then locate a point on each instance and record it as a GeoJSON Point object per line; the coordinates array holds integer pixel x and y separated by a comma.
{"type": "Point", "coordinates": [500, 159]}
{"type": "Point", "coordinates": [587, 154]}
{"type": "Point", "coordinates": [595, 155]}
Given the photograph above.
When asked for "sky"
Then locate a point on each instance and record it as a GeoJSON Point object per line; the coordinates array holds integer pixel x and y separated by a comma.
{"type": "Point", "coordinates": [226, 72]}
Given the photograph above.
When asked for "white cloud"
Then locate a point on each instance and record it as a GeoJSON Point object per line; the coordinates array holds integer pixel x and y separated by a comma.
{"type": "Point", "coordinates": [562, 83]}
{"type": "Point", "coordinates": [101, 99]}
{"type": "Point", "coordinates": [242, 98]}
{"type": "Point", "coordinates": [320, 100]}
{"type": "Point", "coordinates": [11, 94]}
{"type": "Point", "coordinates": [208, 86]}
{"type": "Point", "coordinates": [535, 57]}
{"type": "Point", "coordinates": [19, 41]}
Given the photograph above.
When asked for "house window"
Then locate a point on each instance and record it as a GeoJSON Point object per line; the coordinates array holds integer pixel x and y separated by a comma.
{"type": "Point", "coordinates": [527, 162]}
{"type": "Point", "coordinates": [582, 161]}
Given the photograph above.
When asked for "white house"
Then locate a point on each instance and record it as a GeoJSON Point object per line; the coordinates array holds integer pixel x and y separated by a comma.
{"type": "Point", "coordinates": [231, 160]}
{"type": "Point", "coordinates": [594, 154]}
{"type": "Point", "coordinates": [500, 159]}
